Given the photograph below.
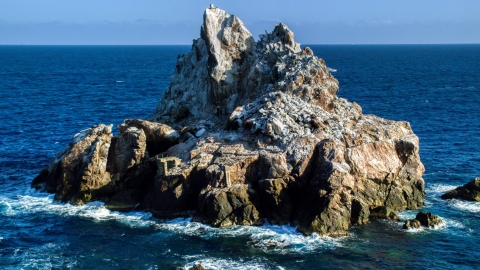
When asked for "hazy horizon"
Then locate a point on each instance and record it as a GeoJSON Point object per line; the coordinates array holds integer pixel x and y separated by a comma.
{"type": "Point", "coordinates": [149, 22]}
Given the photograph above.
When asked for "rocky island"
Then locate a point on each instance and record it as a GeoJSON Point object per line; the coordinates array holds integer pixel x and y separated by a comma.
{"type": "Point", "coordinates": [247, 132]}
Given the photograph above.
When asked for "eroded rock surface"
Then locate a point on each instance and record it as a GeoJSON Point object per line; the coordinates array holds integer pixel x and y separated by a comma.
{"type": "Point", "coordinates": [246, 132]}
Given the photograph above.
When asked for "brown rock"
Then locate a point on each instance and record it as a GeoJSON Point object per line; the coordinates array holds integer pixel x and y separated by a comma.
{"type": "Point", "coordinates": [412, 224]}
{"type": "Point", "coordinates": [273, 164]}
{"type": "Point", "coordinates": [422, 219]}
{"type": "Point", "coordinates": [159, 137]}
{"type": "Point", "coordinates": [428, 219]}
{"type": "Point", "coordinates": [224, 207]}
{"type": "Point", "coordinates": [276, 200]}
{"type": "Point", "coordinates": [176, 189]}
{"type": "Point", "coordinates": [128, 150]}
{"type": "Point", "coordinates": [197, 266]}
{"type": "Point", "coordinates": [124, 201]}
{"type": "Point", "coordinates": [79, 173]}
{"type": "Point", "coordinates": [383, 212]}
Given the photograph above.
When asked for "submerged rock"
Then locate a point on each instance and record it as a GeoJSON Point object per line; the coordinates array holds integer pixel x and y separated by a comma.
{"type": "Point", "coordinates": [469, 191]}
{"type": "Point", "coordinates": [412, 224]}
{"type": "Point", "coordinates": [197, 266]}
{"type": "Point", "coordinates": [246, 132]}
{"type": "Point", "coordinates": [422, 219]}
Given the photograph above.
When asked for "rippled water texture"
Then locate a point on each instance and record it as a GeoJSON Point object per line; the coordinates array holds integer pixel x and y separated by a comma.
{"type": "Point", "coordinates": [47, 94]}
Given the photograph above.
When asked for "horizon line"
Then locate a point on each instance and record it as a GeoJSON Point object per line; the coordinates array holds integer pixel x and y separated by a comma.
{"type": "Point", "coordinates": [302, 44]}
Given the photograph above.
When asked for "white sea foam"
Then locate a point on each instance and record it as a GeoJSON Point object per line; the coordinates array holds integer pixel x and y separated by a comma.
{"type": "Point", "coordinates": [5, 207]}
{"type": "Point", "coordinates": [439, 188]}
{"type": "Point", "coordinates": [468, 206]}
{"type": "Point", "coordinates": [442, 226]}
{"type": "Point", "coordinates": [331, 69]}
{"type": "Point", "coordinates": [37, 202]}
{"type": "Point", "coordinates": [447, 224]}
{"type": "Point", "coordinates": [34, 258]}
{"type": "Point", "coordinates": [472, 207]}
{"type": "Point", "coordinates": [407, 214]}
{"type": "Point", "coordinates": [268, 238]}
{"type": "Point", "coordinates": [450, 223]}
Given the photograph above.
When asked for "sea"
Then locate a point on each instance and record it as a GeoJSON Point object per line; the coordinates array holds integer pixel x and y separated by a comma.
{"type": "Point", "coordinates": [49, 93]}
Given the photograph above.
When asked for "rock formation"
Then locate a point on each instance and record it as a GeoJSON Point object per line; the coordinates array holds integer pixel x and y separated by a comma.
{"type": "Point", "coordinates": [422, 219]}
{"type": "Point", "coordinates": [246, 132]}
{"type": "Point", "coordinates": [469, 191]}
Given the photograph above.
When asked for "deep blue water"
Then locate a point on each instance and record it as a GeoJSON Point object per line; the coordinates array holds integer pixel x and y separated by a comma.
{"type": "Point", "coordinates": [48, 93]}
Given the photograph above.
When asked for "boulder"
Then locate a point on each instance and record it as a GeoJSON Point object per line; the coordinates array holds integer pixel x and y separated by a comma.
{"type": "Point", "coordinates": [97, 165]}
{"type": "Point", "coordinates": [225, 207]}
{"type": "Point", "coordinates": [79, 173]}
{"type": "Point", "coordinates": [159, 137]}
{"type": "Point", "coordinates": [427, 219]}
{"type": "Point", "coordinates": [276, 200]}
{"type": "Point", "coordinates": [412, 224]}
{"type": "Point", "coordinates": [128, 149]}
{"type": "Point", "coordinates": [469, 191]}
{"type": "Point", "coordinates": [383, 212]}
{"type": "Point", "coordinates": [197, 266]}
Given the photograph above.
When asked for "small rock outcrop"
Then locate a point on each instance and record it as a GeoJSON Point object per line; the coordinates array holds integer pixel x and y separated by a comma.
{"type": "Point", "coordinates": [427, 219]}
{"type": "Point", "coordinates": [197, 266]}
{"type": "Point", "coordinates": [469, 192]}
{"type": "Point", "coordinates": [246, 132]}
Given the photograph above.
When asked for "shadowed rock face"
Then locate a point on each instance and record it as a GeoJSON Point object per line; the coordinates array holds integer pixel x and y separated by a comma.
{"type": "Point", "coordinates": [469, 191]}
{"type": "Point", "coordinates": [248, 131]}
{"type": "Point", "coordinates": [422, 219]}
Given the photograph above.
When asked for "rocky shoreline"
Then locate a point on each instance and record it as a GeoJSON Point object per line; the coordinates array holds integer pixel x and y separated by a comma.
{"type": "Point", "coordinates": [247, 132]}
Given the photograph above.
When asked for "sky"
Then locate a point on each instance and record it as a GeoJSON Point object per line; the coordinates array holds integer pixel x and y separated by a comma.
{"type": "Point", "coordinates": [159, 22]}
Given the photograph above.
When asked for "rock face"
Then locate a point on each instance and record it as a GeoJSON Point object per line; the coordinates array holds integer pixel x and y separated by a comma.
{"type": "Point", "coordinates": [246, 132]}
{"type": "Point", "coordinates": [422, 219]}
{"type": "Point", "coordinates": [469, 191]}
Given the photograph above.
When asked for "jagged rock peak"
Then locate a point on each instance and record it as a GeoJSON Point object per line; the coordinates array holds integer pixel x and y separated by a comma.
{"type": "Point", "coordinates": [226, 68]}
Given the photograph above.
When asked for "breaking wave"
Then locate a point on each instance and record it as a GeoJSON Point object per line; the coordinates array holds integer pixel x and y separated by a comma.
{"type": "Point", "coordinates": [468, 206]}
{"type": "Point", "coordinates": [439, 189]}
{"type": "Point", "coordinates": [436, 190]}
{"type": "Point", "coordinates": [267, 238]}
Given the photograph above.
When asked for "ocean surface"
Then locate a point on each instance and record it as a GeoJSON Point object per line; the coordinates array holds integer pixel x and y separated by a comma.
{"type": "Point", "coordinates": [49, 93]}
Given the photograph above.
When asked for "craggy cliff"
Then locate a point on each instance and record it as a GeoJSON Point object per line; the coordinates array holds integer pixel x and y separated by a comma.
{"type": "Point", "coordinates": [247, 132]}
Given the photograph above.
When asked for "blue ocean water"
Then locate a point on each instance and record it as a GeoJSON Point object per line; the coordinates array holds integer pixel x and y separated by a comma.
{"type": "Point", "coordinates": [48, 93]}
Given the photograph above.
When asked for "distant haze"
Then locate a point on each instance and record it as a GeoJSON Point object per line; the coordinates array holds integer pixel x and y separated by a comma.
{"type": "Point", "coordinates": [154, 22]}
